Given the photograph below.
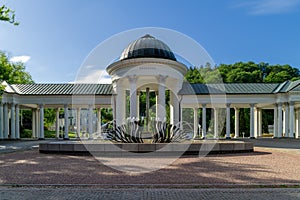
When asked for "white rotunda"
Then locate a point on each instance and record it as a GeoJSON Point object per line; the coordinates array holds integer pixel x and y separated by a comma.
{"type": "Point", "coordinates": [149, 65]}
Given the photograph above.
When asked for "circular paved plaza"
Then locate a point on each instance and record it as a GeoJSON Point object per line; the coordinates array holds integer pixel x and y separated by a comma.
{"type": "Point", "coordinates": [272, 171]}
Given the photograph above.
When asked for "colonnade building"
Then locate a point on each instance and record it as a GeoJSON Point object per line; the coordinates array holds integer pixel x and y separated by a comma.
{"type": "Point", "coordinates": [149, 65]}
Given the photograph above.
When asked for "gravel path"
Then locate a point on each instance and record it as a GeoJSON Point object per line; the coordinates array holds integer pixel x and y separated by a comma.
{"type": "Point", "coordinates": [265, 166]}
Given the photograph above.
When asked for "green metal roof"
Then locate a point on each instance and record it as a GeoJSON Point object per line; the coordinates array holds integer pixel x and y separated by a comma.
{"type": "Point", "coordinates": [187, 89]}
{"type": "Point", "coordinates": [228, 88]}
{"type": "Point", "coordinates": [62, 89]}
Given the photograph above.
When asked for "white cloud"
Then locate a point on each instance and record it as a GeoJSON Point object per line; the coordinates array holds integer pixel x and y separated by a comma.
{"type": "Point", "coordinates": [268, 7]}
{"type": "Point", "coordinates": [22, 59]}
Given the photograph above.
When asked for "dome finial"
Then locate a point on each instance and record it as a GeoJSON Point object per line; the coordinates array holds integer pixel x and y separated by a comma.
{"type": "Point", "coordinates": [148, 36]}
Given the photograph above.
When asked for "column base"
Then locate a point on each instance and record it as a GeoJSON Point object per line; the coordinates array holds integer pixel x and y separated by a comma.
{"type": "Point", "coordinates": [66, 139]}
{"type": "Point", "coordinates": [228, 138]}
{"type": "Point", "coordinates": [41, 139]}
{"type": "Point", "coordinates": [252, 138]}
{"type": "Point", "coordinates": [204, 138]}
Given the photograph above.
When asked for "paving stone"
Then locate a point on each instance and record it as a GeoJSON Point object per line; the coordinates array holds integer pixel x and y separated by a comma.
{"type": "Point", "coordinates": [146, 147]}
{"type": "Point", "coordinates": [130, 147]}
{"type": "Point", "coordinates": [64, 147]}
{"type": "Point", "coordinates": [146, 193]}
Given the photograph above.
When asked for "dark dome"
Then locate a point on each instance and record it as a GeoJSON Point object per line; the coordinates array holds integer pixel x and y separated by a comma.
{"type": "Point", "coordinates": [147, 47]}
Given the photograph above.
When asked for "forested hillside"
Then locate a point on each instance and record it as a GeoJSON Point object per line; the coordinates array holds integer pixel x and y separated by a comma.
{"type": "Point", "coordinates": [242, 72]}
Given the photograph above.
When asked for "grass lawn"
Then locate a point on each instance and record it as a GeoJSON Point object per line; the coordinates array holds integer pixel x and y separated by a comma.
{"type": "Point", "coordinates": [26, 133]}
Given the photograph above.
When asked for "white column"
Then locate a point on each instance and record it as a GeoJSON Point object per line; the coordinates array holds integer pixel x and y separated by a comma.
{"type": "Point", "coordinates": [1, 121]}
{"type": "Point", "coordinates": [5, 121]}
{"type": "Point", "coordinates": [275, 129]}
{"type": "Point", "coordinates": [42, 121]}
{"type": "Point", "coordinates": [133, 96]}
{"type": "Point", "coordinates": [161, 99]}
{"type": "Point", "coordinates": [180, 114]}
{"type": "Point", "coordinates": [292, 120]}
{"type": "Point", "coordinates": [228, 121]}
{"type": "Point", "coordinates": [204, 121]}
{"type": "Point", "coordinates": [66, 117]}
{"type": "Point", "coordinates": [252, 121]}
{"type": "Point", "coordinates": [17, 121]}
{"type": "Point", "coordinates": [174, 108]}
{"type": "Point", "coordinates": [37, 117]}
{"type": "Point", "coordinates": [33, 124]}
{"type": "Point", "coordinates": [216, 123]}
{"type": "Point", "coordinates": [280, 128]}
{"type": "Point", "coordinates": [120, 106]}
{"type": "Point", "coordinates": [99, 120]}
{"type": "Point", "coordinates": [147, 114]}
{"type": "Point", "coordinates": [236, 122]}
{"type": "Point", "coordinates": [286, 120]}
{"type": "Point", "coordinates": [138, 105]}
{"type": "Point", "coordinates": [259, 122]}
{"type": "Point", "coordinates": [90, 122]}
{"type": "Point", "coordinates": [78, 122]}
{"type": "Point", "coordinates": [298, 124]}
{"type": "Point", "coordinates": [57, 123]}
{"type": "Point", "coordinates": [255, 122]}
{"type": "Point", "coordinates": [196, 122]}
{"type": "Point", "coordinates": [12, 122]}
{"type": "Point", "coordinates": [113, 106]}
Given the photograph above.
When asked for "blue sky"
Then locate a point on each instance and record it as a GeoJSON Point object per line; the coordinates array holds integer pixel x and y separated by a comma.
{"type": "Point", "coordinates": [55, 36]}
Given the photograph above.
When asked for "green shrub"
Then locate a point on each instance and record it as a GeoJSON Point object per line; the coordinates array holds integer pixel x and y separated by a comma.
{"type": "Point", "coordinates": [26, 133]}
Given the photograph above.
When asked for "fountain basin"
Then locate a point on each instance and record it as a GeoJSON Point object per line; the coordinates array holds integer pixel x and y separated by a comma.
{"type": "Point", "coordinates": [109, 148]}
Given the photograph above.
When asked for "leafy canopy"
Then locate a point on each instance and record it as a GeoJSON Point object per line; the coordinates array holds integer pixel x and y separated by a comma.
{"type": "Point", "coordinates": [242, 72]}
{"type": "Point", "coordinates": [12, 73]}
{"type": "Point", "coordinates": [7, 15]}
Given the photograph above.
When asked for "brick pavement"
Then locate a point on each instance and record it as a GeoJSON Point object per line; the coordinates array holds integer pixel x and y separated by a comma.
{"type": "Point", "coordinates": [152, 193]}
{"type": "Point", "coordinates": [275, 162]}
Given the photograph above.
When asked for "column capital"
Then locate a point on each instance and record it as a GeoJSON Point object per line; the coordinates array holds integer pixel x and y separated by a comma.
{"type": "Point", "coordinates": [228, 104]}
{"type": "Point", "coordinates": [236, 109]}
{"type": "Point", "coordinates": [292, 103]}
{"type": "Point", "coordinates": [161, 79]}
{"type": "Point", "coordinates": [204, 105]}
{"type": "Point", "coordinates": [252, 104]}
{"type": "Point", "coordinates": [132, 79]}
{"type": "Point", "coordinates": [279, 104]}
